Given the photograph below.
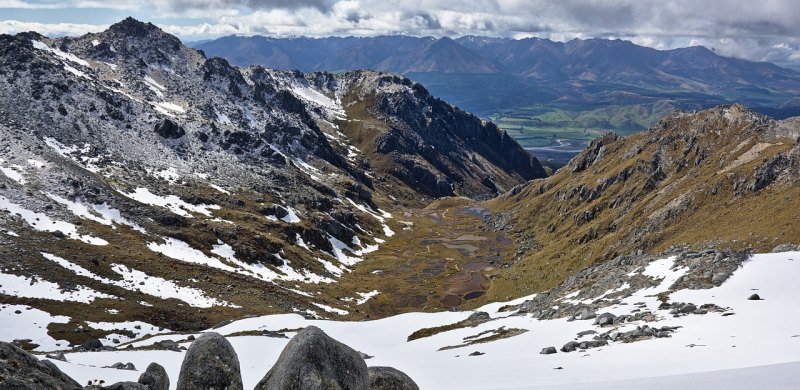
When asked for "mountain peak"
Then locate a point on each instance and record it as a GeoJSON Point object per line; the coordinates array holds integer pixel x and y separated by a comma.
{"type": "Point", "coordinates": [133, 27]}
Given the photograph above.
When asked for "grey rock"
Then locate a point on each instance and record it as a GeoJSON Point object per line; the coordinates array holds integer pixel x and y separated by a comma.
{"type": "Point", "coordinates": [586, 314]}
{"type": "Point", "coordinates": [477, 353]}
{"type": "Point", "coordinates": [168, 345]}
{"type": "Point", "coordinates": [127, 386]}
{"type": "Point", "coordinates": [570, 346]}
{"type": "Point", "coordinates": [313, 360]}
{"type": "Point", "coordinates": [92, 344]}
{"type": "Point", "coordinates": [20, 370]}
{"type": "Point", "coordinates": [754, 297]}
{"type": "Point", "coordinates": [169, 129]}
{"type": "Point", "coordinates": [388, 378]}
{"type": "Point", "coordinates": [586, 332]}
{"type": "Point", "coordinates": [155, 377]}
{"type": "Point", "coordinates": [592, 344]}
{"type": "Point", "coordinates": [122, 366]}
{"type": "Point", "coordinates": [605, 319]}
{"type": "Point", "coordinates": [719, 277]}
{"type": "Point", "coordinates": [548, 351]}
{"type": "Point", "coordinates": [365, 356]}
{"type": "Point", "coordinates": [57, 356]}
{"type": "Point", "coordinates": [479, 316]}
{"type": "Point", "coordinates": [786, 248]}
{"type": "Point", "coordinates": [687, 308]}
{"type": "Point", "coordinates": [210, 363]}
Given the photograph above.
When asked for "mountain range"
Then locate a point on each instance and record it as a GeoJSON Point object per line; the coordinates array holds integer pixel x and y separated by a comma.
{"type": "Point", "coordinates": [553, 97]}
{"type": "Point", "coordinates": [149, 192]}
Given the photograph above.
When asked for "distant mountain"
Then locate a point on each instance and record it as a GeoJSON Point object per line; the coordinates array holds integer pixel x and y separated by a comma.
{"type": "Point", "coordinates": [540, 90]}
{"type": "Point", "coordinates": [695, 69]}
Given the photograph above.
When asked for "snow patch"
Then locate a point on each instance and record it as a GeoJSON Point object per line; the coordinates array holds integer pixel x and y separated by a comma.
{"type": "Point", "coordinates": [182, 251]}
{"type": "Point", "coordinates": [63, 55]}
{"type": "Point", "coordinates": [35, 287]}
{"type": "Point", "coordinates": [42, 222]}
{"type": "Point", "coordinates": [170, 202]}
{"type": "Point", "coordinates": [134, 280]}
{"type": "Point", "coordinates": [330, 309]}
{"type": "Point", "coordinates": [30, 324]}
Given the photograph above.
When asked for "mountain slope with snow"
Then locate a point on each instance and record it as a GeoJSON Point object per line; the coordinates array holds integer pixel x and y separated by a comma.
{"type": "Point", "coordinates": [758, 336]}
{"type": "Point", "coordinates": [140, 178]}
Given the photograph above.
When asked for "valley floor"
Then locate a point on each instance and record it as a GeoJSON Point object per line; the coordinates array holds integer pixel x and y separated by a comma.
{"type": "Point", "coordinates": [756, 347]}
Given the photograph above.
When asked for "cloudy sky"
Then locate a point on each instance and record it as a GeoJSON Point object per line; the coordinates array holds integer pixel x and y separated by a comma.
{"type": "Point", "coordinates": [764, 30]}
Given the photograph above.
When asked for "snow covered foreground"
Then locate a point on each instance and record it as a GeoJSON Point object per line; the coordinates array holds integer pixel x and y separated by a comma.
{"type": "Point", "coordinates": [758, 347]}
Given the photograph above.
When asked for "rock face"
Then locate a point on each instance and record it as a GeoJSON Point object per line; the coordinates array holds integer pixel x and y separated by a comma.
{"type": "Point", "coordinates": [388, 378]}
{"type": "Point", "coordinates": [91, 345]}
{"type": "Point", "coordinates": [169, 129]}
{"type": "Point", "coordinates": [210, 363]}
{"type": "Point", "coordinates": [155, 377]}
{"type": "Point", "coordinates": [680, 175]}
{"type": "Point", "coordinates": [20, 370]}
{"type": "Point", "coordinates": [313, 360]}
{"type": "Point", "coordinates": [459, 155]}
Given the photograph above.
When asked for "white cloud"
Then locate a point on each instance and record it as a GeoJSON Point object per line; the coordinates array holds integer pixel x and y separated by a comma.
{"type": "Point", "coordinates": [767, 30]}
{"type": "Point", "coordinates": [50, 29]}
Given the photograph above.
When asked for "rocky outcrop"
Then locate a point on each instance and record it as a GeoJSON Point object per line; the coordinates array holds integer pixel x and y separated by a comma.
{"type": "Point", "coordinates": [20, 370]}
{"type": "Point", "coordinates": [169, 129]}
{"type": "Point", "coordinates": [210, 363]}
{"type": "Point", "coordinates": [314, 360]}
{"type": "Point", "coordinates": [310, 361]}
{"type": "Point", "coordinates": [388, 378]}
{"type": "Point", "coordinates": [704, 269]}
{"type": "Point", "coordinates": [431, 145]}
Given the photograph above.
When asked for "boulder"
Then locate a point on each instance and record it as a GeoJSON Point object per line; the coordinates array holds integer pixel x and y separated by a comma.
{"type": "Point", "coordinates": [313, 360]}
{"type": "Point", "coordinates": [605, 319]}
{"type": "Point", "coordinates": [570, 346]}
{"type": "Point", "coordinates": [687, 308]}
{"type": "Point", "coordinates": [388, 378]}
{"type": "Point", "coordinates": [122, 366]}
{"type": "Point", "coordinates": [210, 363]}
{"type": "Point", "coordinates": [592, 344]}
{"type": "Point", "coordinates": [155, 377]}
{"type": "Point", "coordinates": [169, 345]}
{"type": "Point", "coordinates": [586, 314]}
{"type": "Point", "coordinates": [754, 297]}
{"type": "Point", "coordinates": [548, 351]}
{"type": "Point", "coordinates": [21, 370]}
{"type": "Point", "coordinates": [92, 344]}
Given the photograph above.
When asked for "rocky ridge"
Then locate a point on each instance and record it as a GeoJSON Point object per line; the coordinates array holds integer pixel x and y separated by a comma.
{"type": "Point", "coordinates": [707, 179]}
{"type": "Point", "coordinates": [129, 160]}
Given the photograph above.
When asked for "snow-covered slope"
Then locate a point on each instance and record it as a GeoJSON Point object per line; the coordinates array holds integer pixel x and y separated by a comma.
{"type": "Point", "coordinates": [760, 340]}
{"type": "Point", "coordinates": [135, 159]}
